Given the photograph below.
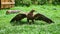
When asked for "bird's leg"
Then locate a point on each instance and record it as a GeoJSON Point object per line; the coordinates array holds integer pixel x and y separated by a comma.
{"type": "Point", "coordinates": [28, 21]}
{"type": "Point", "coordinates": [33, 21]}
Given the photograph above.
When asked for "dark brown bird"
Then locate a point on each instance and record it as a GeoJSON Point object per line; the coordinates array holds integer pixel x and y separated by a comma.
{"type": "Point", "coordinates": [32, 17]}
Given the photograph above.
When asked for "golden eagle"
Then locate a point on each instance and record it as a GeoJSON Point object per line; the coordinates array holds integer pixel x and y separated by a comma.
{"type": "Point", "coordinates": [31, 16]}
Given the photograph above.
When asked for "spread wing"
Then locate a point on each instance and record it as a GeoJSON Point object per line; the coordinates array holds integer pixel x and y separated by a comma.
{"type": "Point", "coordinates": [18, 17]}
{"type": "Point", "coordinates": [43, 18]}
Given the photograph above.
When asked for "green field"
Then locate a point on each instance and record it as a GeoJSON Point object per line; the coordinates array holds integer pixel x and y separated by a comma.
{"type": "Point", "coordinates": [40, 27]}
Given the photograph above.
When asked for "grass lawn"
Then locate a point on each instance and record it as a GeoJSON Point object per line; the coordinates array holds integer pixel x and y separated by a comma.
{"type": "Point", "coordinates": [40, 27]}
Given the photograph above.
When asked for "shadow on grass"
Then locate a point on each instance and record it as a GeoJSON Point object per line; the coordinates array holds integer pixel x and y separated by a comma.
{"type": "Point", "coordinates": [25, 22]}
{"type": "Point", "coordinates": [18, 23]}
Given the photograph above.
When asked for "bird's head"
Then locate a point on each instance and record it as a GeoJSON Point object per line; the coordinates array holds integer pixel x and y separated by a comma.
{"type": "Point", "coordinates": [32, 11]}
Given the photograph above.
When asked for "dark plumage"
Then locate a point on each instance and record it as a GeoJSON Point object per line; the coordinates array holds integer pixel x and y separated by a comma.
{"type": "Point", "coordinates": [43, 18]}
{"type": "Point", "coordinates": [32, 17]}
{"type": "Point", "coordinates": [18, 17]}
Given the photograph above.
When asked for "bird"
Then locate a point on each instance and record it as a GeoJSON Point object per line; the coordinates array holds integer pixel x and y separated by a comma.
{"type": "Point", "coordinates": [31, 16]}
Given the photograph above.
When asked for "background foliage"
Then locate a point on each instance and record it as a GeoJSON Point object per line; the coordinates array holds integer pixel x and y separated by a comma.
{"type": "Point", "coordinates": [36, 2]}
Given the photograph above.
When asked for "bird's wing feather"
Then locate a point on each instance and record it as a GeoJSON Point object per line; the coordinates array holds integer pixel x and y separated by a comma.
{"type": "Point", "coordinates": [42, 17]}
{"type": "Point", "coordinates": [18, 17]}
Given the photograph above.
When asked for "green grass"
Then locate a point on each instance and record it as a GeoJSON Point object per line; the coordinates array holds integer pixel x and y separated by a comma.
{"type": "Point", "coordinates": [40, 27]}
